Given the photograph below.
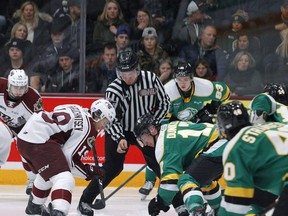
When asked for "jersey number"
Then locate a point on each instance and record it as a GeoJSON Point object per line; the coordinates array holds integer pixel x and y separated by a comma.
{"type": "Point", "coordinates": [194, 133]}
{"type": "Point", "coordinates": [59, 118]}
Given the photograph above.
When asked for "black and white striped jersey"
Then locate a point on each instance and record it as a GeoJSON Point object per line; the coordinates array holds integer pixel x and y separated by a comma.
{"type": "Point", "coordinates": [147, 95]}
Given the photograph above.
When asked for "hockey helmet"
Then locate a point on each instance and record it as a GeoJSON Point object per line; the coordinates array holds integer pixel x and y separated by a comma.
{"type": "Point", "coordinates": [101, 109]}
{"type": "Point", "coordinates": [231, 117]}
{"type": "Point", "coordinates": [127, 61]}
{"type": "Point", "coordinates": [17, 83]}
{"type": "Point", "coordinates": [143, 123]}
{"type": "Point", "coordinates": [183, 69]}
{"type": "Point", "coordinates": [278, 92]}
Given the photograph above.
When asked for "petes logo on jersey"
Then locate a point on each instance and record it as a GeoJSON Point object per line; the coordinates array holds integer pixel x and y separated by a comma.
{"type": "Point", "coordinates": [10, 104]}
{"type": "Point", "coordinates": [38, 105]}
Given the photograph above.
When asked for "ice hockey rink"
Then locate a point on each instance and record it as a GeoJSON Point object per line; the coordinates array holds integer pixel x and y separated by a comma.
{"type": "Point", "coordinates": [126, 202]}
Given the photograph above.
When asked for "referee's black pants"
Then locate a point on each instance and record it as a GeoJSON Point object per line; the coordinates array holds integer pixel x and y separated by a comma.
{"type": "Point", "coordinates": [113, 166]}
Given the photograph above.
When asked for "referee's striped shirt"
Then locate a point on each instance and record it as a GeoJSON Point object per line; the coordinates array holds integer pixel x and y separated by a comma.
{"type": "Point", "coordinates": [147, 95]}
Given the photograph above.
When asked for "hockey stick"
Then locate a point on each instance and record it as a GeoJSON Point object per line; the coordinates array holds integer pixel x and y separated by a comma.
{"type": "Point", "coordinates": [97, 204]}
{"type": "Point", "coordinates": [101, 203]}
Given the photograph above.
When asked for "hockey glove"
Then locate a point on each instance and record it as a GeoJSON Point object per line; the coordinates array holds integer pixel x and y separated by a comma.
{"type": "Point", "coordinates": [92, 171]}
{"type": "Point", "coordinates": [206, 114]}
{"type": "Point", "coordinates": [258, 117]}
{"type": "Point", "coordinates": [156, 205]}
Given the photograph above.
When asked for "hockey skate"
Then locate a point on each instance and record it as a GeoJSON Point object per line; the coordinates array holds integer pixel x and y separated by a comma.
{"type": "Point", "coordinates": [182, 211]}
{"type": "Point", "coordinates": [52, 212]}
{"type": "Point", "coordinates": [84, 209]}
{"type": "Point", "coordinates": [29, 187]}
{"type": "Point", "coordinates": [146, 189]}
{"type": "Point", "coordinates": [205, 211]}
{"type": "Point", "coordinates": [34, 209]}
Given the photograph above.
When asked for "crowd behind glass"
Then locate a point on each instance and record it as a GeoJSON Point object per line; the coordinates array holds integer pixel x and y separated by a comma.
{"type": "Point", "coordinates": [242, 43]}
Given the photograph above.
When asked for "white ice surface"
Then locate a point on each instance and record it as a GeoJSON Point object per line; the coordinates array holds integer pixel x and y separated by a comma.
{"type": "Point", "coordinates": [126, 202]}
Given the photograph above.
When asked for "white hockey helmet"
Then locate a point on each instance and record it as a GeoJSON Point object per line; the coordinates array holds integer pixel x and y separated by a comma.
{"type": "Point", "coordinates": [101, 109]}
{"type": "Point", "coordinates": [17, 83]}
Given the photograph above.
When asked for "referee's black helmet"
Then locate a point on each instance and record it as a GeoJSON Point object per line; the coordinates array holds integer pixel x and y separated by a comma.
{"type": "Point", "coordinates": [127, 61]}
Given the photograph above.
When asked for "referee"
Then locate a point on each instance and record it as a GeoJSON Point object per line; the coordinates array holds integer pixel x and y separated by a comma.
{"type": "Point", "coordinates": [133, 94]}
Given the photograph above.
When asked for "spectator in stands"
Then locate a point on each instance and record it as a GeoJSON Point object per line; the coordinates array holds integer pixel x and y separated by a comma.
{"type": "Point", "coordinates": [165, 70]}
{"type": "Point", "coordinates": [38, 24]}
{"type": "Point", "coordinates": [229, 38]}
{"type": "Point", "coordinates": [246, 42]}
{"type": "Point", "coordinates": [46, 63]}
{"type": "Point", "coordinates": [129, 8]}
{"type": "Point", "coordinates": [106, 26]}
{"type": "Point", "coordinates": [103, 71]}
{"type": "Point", "coordinates": [151, 54]}
{"type": "Point", "coordinates": [66, 77]}
{"type": "Point", "coordinates": [15, 49]}
{"type": "Point", "coordinates": [242, 78]}
{"type": "Point", "coordinates": [192, 24]}
{"type": "Point", "coordinates": [160, 20]}
{"type": "Point", "coordinates": [73, 30]}
{"type": "Point", "coordinates": [203, 70]}
{"type": "Point", "coordinates": [270, 26]}
{"type": "Point", "coordinates": [276, 64]}
{"type": "Point", "coordinates": [122, 39]}
{"type": "Point", "coordinates": [143, 19]}
{"type": "Point", "coordinates": [281, 25]}
{"type": "Point", "coordinates": [207, 49]}
{"type": "Point", "coordinates": [20, 31]}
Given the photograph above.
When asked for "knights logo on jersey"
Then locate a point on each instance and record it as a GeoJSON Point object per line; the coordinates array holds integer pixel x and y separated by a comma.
{"type": "Point", "coordinates": [186, 114]}
{"type": "Point", "coordinates": [38, 105]}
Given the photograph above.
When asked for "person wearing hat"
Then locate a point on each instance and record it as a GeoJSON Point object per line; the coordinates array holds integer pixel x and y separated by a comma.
{"type": "Point", "coordinates": [239, 22]}
{"type": "Point", "coordinates": [122, 38]}
{"type": "Point", "coordinates": [66, 77]}
{"type": "Point", "coordinates": [151, 53]}
{"type": "Point", "coordinates": [47, 62]}
{"type": "Point", "coordinates": [193, 23]}
{"type": "Point", "coordinates": [73, 30]}
{"type": "Point", "coordinates": [15, 50]}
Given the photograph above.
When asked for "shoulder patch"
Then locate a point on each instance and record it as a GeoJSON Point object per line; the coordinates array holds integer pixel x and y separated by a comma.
{"type": "Point", "coordinates": [149, 91]}
{"type": "Point", "coordinates": [38, 105]}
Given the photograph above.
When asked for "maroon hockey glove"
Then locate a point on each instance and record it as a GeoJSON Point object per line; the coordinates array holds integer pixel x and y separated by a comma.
{"type": "Point", "coordinates": [92, 170]}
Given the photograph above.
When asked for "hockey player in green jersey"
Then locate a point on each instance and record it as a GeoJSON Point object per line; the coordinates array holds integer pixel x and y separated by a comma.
{"type": "Point", "coordinates": [254, 158]}
{"type": "Point", "coordinates": [192, 99]}
{"type": "Point", "coordinates": [270, 105]}
{"type": "Point", "coordinates": [189, 95]}
{"type": "Point", "coordinates": [184, 146]}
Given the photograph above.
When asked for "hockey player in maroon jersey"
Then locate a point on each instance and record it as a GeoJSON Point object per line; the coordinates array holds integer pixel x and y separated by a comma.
{"type": "Point", "coordinates": [53, 143]}
{"type": "Point", "coordinates": [18, 102]}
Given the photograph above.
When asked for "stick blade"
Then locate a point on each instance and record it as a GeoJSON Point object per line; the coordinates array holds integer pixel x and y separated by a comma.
{"type": "Point", "coordinates": [98, 204]}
